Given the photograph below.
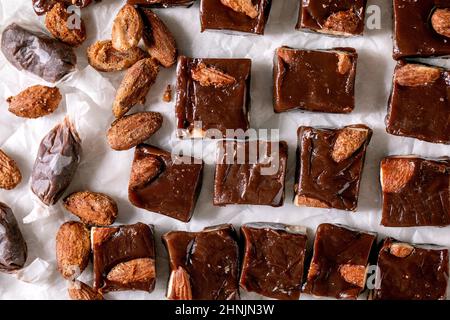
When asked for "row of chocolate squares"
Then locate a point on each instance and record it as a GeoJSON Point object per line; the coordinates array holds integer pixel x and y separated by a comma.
{"type": "Point", "coordinates": [330, 161]}
{"type": "Point", "coordinates": [216, 93]}
{"type": "Point", "coordinates": [421, 28]}
{"type": "Point", "coordinates": [206, 265]}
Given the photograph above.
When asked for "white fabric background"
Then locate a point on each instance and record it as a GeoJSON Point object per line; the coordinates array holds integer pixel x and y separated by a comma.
{"type": "Point", "coordinates": [88, 100]}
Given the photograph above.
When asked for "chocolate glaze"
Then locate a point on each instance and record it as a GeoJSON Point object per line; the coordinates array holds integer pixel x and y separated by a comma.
{"type": "Point", "coordinates": [215, 15]}
{"type": "Point", "coordinates": [335, 184]}
{"type": "Point", "coordinates": [335, 246]}
{"type": "Point", "coordinates": [245, 183]}
{"type": "Point", "coordinates": [210, 258]}
{"type": "Point", "coordinates": [217, 108]}
{"type": "Point", "coordinates": [424, 200]}
{"type": "Point", "coordinates": [114, 245]}
{"type": "Point", "coordinates": [162, 3]}
{"type": "Point", "coordinates": [13, 248]}
{"type": "Point", "coordinates": [174, 190]}
{"type": "Point", "coordinates": [314, 13]}
{"type": "Point", "coordinates": [273, 260]}
{"type": "Point", "coordinates": [56, 163]}
{"type": "Point", "coordinates": [35, 52]}
{"type": "Point", "coordinates": [414, 35]}
{"type": "Point", "coordinates": [421, 112]}
{"type": "Point", "coordinates": [310, 80]}
{"type": "Point", "coordinates": [422, 275]}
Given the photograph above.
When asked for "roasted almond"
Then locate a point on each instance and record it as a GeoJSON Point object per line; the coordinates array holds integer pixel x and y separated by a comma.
{"type": "Point", "coordinates": [158, 39]}
{"type": "Point", "coordinates": [344, 63]}
{"type": "Point", "coordinates": [304, 201]}
{"type": "Point", "coordinates": [133, 273]}
{"type": "Point", "coordinates": [209, 76]}
{"type": "Point", "coordinates": [65, 26]}
{"type": "Point", "coordinates": [145, 170]}
{"type": "Point", "coordinates": [129, 131]}
{"type": "Point", "coordinates": [10, 175]}
{"type": "Point", "coordinates": [127, 29]}
{"type": "Point", "coordinates": [396, 173]}
{"type": "Point", "coordinates": [348, 141]}
{"type": "Point", "coordinates": [440, 20]}
{"type": "Point", "coordinates": [135, 86]}
{"type": "Point", "coordinates": [80, 291]}
{"type": "Point", "coordinates": [72, 249]}
{"type": "Point", "coordinates": [401, 250]}
{"type": "Point", "coordinates": [354, 274]}
{"type": "Point", "coordinates": [243, 6]}
{"type": "Point", "coordinates": [92, 208]}
{"type": "Point", "coordinates": [342, 23]}
{"type": "Point", "coordinates": [34, 102]}
{"type": "Point", "coordinates": [103, 57]}
{"type": "Point", "coordinates": [179, 285]}
{"type": "Point", "coordinates": [413, 75]}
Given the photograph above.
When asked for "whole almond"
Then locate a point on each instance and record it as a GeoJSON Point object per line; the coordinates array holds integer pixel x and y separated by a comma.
{"type": "Point", "coordinates": [72, 249]}
{"type": "Point", "coordinates": [129, 131]}
{"type": "Point", "coordinates": [145, 170]}
{"type": "Point", "coordinates": [134, 273]}
{"type": "Point", "coordinates": [440, 20]}
{"type": "Point", "coordinates": [80, 291]}
{"type": "Point", "coordinates": [354, 274]}
{"type": "Point", "coordinates": [127, 29]}
{"type": "Point", "coordinates": [65, 26]}
{"type": "Point", "coordinates": [158, 39]}
{"type": "Point", "coordinates": [134, 86]}
{"type": "Point", "coordinates": [179, 287]}
{"type": "Point", "coordinates": [34, 102]}
{"type": "Point", "coordinates": [413, 75]}
{"type": "Point", "coordinates": [243, 6]}
{"type": "Point", "coordinates": [396, 173]}
{"type": "Point", "coordinates": [92, 208]}
{"type": "Point", "coordinates": [210, 76]}
{"type": "Point", "coordinates": [10, 175]}
{"type": "Point", "coordinates": [103, 57]}
{"type": "Point", "coordinates": [401, 250]}
{"type": "Point", "coordinates": [342, 23]}
{"type": "Point", "coordinates": [348, 141]}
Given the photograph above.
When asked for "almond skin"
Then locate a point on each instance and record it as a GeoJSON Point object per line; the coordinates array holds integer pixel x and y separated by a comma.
{"type": "Point", "coordinates": [348, 141]}
{"type": "Point", "coordinates": [129, 131]}
{"type": "Point", "coordinates": [179, 285]}
{"type": "Point", "coordinates": [80, 291]}
{"type": "Point", "coordinates": [92, 208]}
{"type": "Point", "coordinates": [243, 6]}
{"type": "Point", "coordinates": [72, 249]}
{"type": "Point", "coordinates": [34, 102]}
{"type": "Point", "coordinates": [413, 75]}
{"type": "Point", "coordinates": [440, 20]}
{"type": "Point", "coordinates": [158, 39]}
{"type": "Point", "coordinates": [401, 250]}
{"type": "Point", "coordinates": [10, 175]}
{"type": "Point", "coordinates": [354, 274]}
{"type": "Point", "coordinates": [144, 171]}
{"type": "Point", "coordinates": [135, 86]}
{"type": "Point", "coordinates": [303, 201]}
{"type": "Point", "coordinates": [342, 23]}
{"type": "Point", "coordinates": [58, 20]}
{"type": "Point", "coordinates": [103, 57]}
{"type": "Point", "coordinates": [133, 273]}
{"type": "Point", "coordinates": [209, 76]}
{"type": "Point", "coordinates": [127, 29]}
{"type": "Point", "coordinates": [396, 173]}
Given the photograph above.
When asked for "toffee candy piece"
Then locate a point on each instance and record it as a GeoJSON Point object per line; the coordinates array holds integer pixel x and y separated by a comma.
{"type": "Point", "coordinates": [315, 80]}
{"type": "Point", "coordinates": [248, 16]}
{"type": "Point", "coordinates": [204, 265]}
{"type": "Point", "coordinates": [418, 28]}
{"type": "Point", "coordinates": [124, 257]}
{"type": "Point", "coordinates": [273, 259]}
{"type": "Point", "coordinates": [250, 173]}
{"type": "Point", "coordinates": [161, 3]}
{"type": "Point", "coordinates": [56, 163]}
{"type": "Point", "coordinates": [214, 92]}
{"type": "Point", "coordinates": [13, 253]}
{"type": "Point", "coordinates": [332, 17]}
{"type": "Point", "coordinates": [339, 263]}
{"type": "Point", "coordinates": [165, 184]}
{"type": "Point", "coordinates": [411, 272]}
{"type": "Point", "coordinates": [37, 53]}
{"type": "Point", "coordinates": [419, 106]}
{"type": "Point", "coordinates": [329, 166]}
{"type": "Point", "coordinates": [416, 191]}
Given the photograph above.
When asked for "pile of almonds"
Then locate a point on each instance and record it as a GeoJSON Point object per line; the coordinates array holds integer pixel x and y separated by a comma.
{"type": "Point", "coordinates": [73, 243]}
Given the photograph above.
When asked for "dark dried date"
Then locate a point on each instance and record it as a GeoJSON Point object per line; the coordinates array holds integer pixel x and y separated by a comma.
{"type": "Point", "coordinates": [34, 52]}
{"type": "Point", "coordinates": [57, 160]}
{"type": "Point", "coordinates": [13, 249]}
